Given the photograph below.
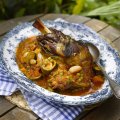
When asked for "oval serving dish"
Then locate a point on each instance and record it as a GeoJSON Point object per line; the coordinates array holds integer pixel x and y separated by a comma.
{"type": "Point", "coordinates": [109, 59]}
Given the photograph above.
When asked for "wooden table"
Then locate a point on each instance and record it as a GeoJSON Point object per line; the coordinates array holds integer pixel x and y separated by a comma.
{"type": "Point", "coordinates": [110, 110]}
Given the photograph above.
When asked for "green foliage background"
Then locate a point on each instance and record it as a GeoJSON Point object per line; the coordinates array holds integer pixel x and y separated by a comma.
{"type": "Point", "coordinates": [106, 10]}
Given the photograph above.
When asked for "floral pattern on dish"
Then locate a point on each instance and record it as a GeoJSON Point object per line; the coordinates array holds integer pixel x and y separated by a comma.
{"type": "Point", "coordinates": [109, 59]}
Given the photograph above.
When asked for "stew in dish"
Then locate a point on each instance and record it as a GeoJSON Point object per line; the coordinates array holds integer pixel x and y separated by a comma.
{"type": "Point", "coordinates": [58, 63]}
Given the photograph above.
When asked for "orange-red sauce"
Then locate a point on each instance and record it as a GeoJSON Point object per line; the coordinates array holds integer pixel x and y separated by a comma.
{"type": "Point", "coordinates": [31, 44]}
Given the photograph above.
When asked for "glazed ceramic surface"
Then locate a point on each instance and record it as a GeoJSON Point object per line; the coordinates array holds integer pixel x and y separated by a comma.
{"type": "Point", "coordinates": [109, 59]}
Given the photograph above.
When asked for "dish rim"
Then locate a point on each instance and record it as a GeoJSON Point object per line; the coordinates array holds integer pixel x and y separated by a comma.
{"type": "Point", "coordinates": [87, 102]}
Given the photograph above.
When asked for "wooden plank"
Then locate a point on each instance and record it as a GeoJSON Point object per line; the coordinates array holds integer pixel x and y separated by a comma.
{"type": "Point", "coordinates": [5, 105]}
{"type": "Point", "coordinates": [116, 44]}
{"type": "Point", "coordinates": [77, 19]}
{"type": "Point", "coordinates": [96, 25]}
{"type": "Point", "coordinates": [110, 33]}
{"type": "Point", "coordinates": [82, 115]}
{"type": "Point", "coordinates": [1, 37]}
{"type": "Point", "coordinates": [110, 110]}
{"type": "Point", "coordinates": [53, 16]}
{"type": "Point", "coordinates": [7, 25]}
{"type": "Point", "coordinates": [69, 18]}
{"type": "Point", "coordinates": [19, 114]}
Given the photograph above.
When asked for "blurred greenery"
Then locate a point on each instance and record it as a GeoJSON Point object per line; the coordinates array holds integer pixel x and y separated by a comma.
{"type": "Point", "coordinates": [106, 10]}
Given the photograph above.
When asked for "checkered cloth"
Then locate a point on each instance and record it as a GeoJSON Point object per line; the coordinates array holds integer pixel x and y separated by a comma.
{"type": "Point", "coordinates": [44, 109]}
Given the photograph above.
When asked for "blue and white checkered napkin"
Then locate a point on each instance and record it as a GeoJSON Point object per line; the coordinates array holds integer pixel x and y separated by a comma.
{"type": "Point", "coordinates": [44, 109]}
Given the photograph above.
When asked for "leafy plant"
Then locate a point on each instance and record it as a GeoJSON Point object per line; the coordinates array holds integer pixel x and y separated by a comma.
{"type": "Point", "coordinates": [109, 13]}
{"type": "Point", "coordinates": [107, 10]}
{"type": "Point", "coordinates": [78, 6]}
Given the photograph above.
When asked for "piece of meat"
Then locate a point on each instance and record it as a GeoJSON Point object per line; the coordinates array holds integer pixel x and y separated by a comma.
{"type": "Point", "coordinates": [73, 52]}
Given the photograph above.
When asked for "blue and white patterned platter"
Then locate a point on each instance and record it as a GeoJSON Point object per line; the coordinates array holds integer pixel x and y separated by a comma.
{"type": "Point", "coordinates": [109, 59]}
